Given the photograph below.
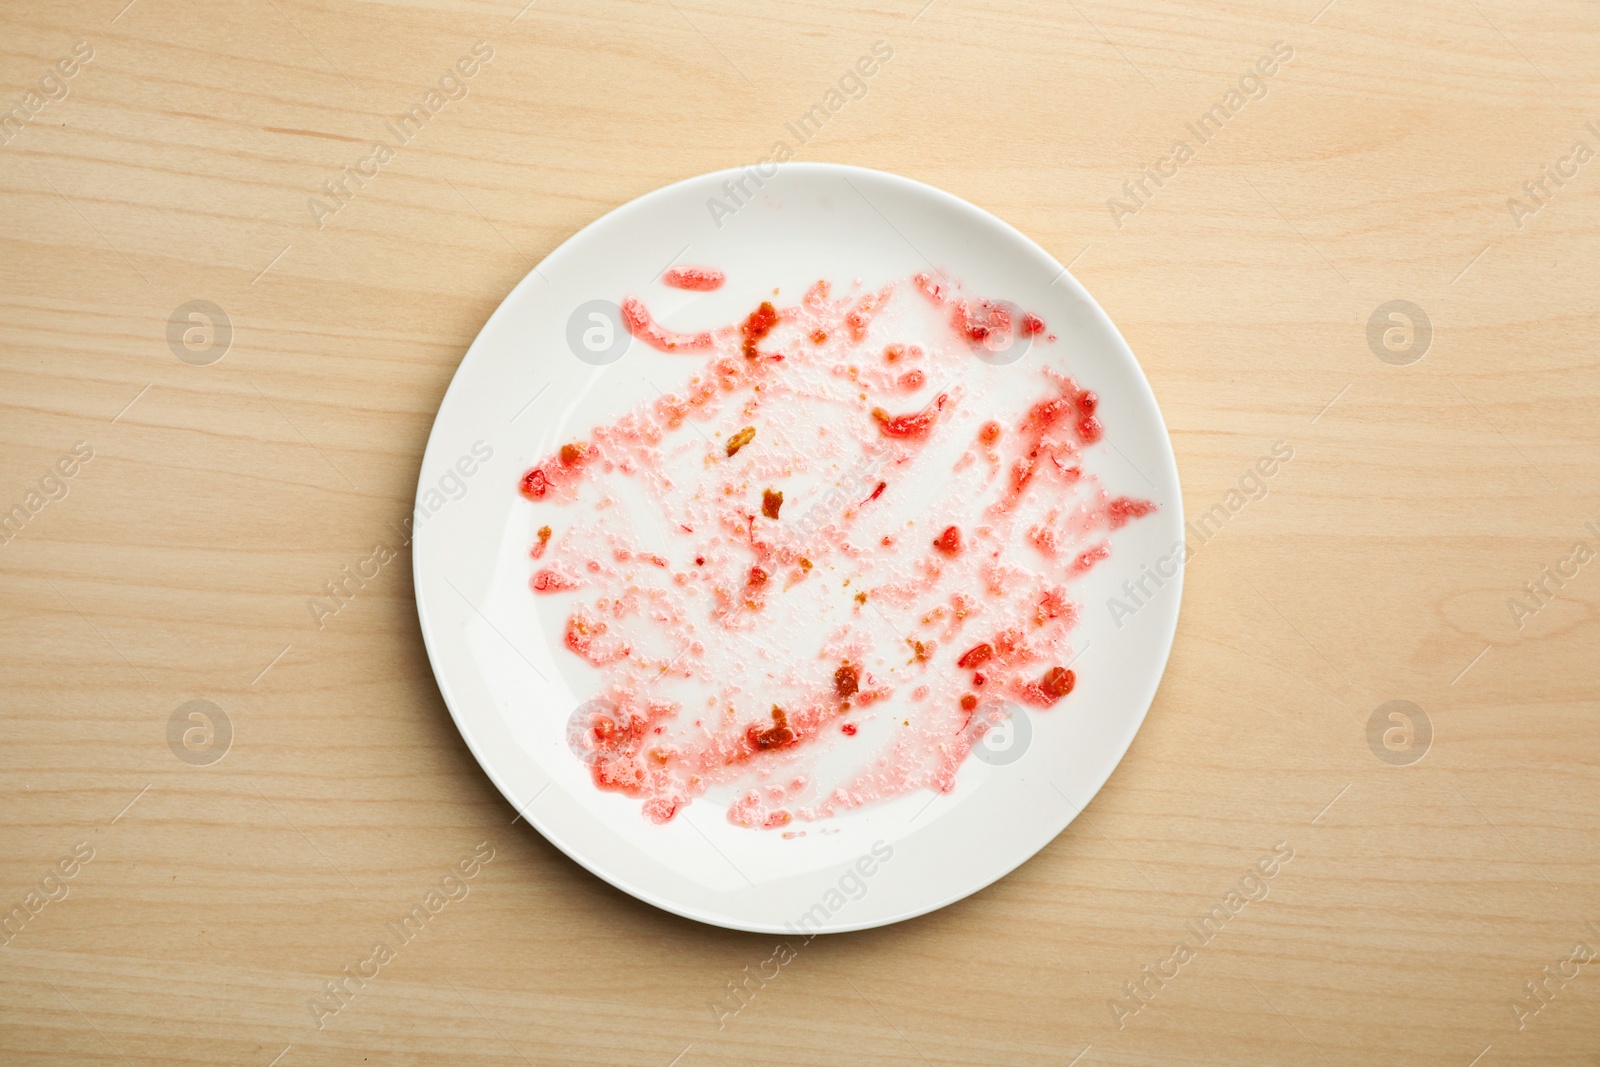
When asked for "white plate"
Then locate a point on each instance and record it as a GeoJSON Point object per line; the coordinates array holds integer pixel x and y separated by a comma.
{"type": "Point", "coordinates": [522, 391]}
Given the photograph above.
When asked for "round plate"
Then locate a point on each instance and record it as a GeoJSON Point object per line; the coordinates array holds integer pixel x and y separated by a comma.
{"type": "Point", "coordinates": [551, 364]}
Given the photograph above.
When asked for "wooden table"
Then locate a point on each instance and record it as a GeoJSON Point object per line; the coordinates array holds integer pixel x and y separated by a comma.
{"type": "Point", "coordinates": [1438, 465]}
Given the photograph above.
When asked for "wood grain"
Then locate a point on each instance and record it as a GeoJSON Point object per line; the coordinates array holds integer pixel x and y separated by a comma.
{"type": "Point", "coordinates": [1377, 167]}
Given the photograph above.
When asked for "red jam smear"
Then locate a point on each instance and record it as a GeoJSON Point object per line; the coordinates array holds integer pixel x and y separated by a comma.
{"type": "Point", "coordinates": [550, 581]}
{"type": "Point", "coordinates": [914, 425]}
{"type": "Point", "coordinates": [1124, 509]}
{"type": "Point", "coordinates": [697, 279]}
{"type": "Point", "coordinates": [642, 326]}
{"type": "Point", "coordinates": [978, 654]}
{"type": "Point", "coordinates": [985, 323]}
{"type": "Point", "coordinates": [800, 419]}
{"type": "Point", "coordinates": [757, 326]}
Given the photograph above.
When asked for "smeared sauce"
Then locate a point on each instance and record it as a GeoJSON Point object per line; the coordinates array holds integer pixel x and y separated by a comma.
{"type": "Point", "coordinates": [699, 279]}
{"type": "Point", "coordinates": [838, 479]}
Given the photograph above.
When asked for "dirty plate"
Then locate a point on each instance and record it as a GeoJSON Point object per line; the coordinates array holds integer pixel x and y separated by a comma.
{"type": "Point", "coordinates": [818, 813]}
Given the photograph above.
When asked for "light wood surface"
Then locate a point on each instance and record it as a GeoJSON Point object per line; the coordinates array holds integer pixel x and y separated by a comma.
{"type": "Point", "coordinates": [220, 898]}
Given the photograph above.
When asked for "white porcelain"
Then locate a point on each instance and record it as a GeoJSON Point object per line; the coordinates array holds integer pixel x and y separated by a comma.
{"type": "Point", "coordinates": [520, 392]}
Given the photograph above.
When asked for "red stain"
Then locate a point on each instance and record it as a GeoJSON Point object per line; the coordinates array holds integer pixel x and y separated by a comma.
{"type": "Point", "coordinates": [699, 279]}
{"type": "Point", "coordinates": [976, 655]}
{"type": "Point", "coordinates": [1124, 509]}
{"type": "Point", "coordinates": [913, 426]}
{"type": "Point", "coordinates": [757, 326]}
{"type": "Point", "coordinates": [730, 574]}
{"type": "Point", "coordinates": [642, 326]}
{"type": "Point", "coordinates": [549, 581]}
